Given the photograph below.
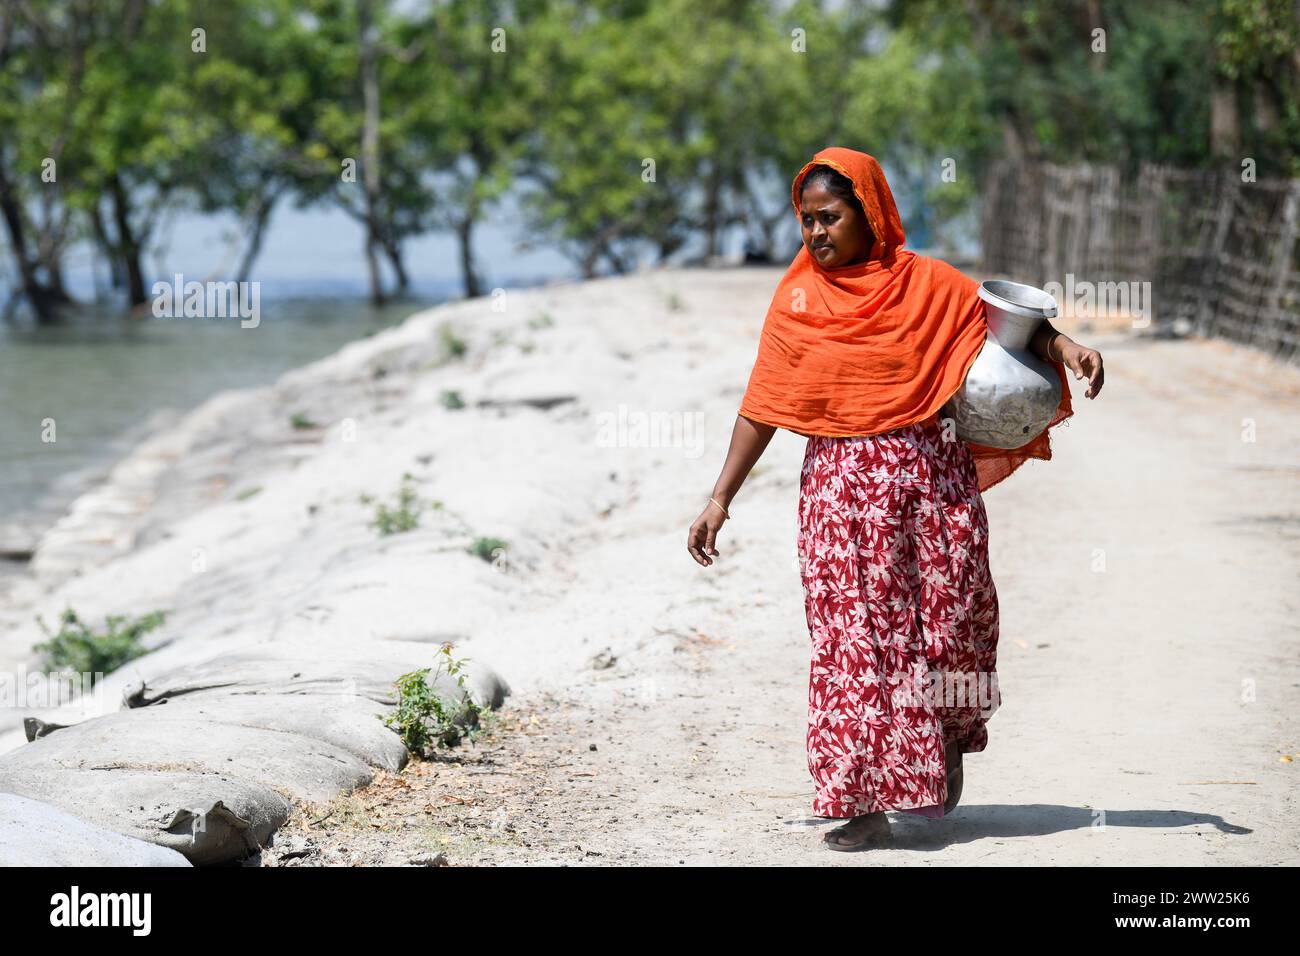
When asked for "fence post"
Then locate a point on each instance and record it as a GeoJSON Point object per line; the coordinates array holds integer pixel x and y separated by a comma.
{"type": "Point", "coordinates": [1283, 251]}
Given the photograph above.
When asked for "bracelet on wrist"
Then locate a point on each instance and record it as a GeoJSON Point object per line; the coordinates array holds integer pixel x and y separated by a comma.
{"type": "Point", "coordinates": [1050, 339]}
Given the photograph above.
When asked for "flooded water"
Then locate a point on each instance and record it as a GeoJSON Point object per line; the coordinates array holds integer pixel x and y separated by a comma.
{"type": "Point", "coordinates": [101, 375]}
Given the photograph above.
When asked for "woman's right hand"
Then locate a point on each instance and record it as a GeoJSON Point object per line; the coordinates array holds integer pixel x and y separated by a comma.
{"type": "Point", "coordinates": [699, 540]}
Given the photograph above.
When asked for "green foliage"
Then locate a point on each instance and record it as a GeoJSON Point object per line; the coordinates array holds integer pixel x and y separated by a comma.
{"type": "Point", "coordinates": [299, 420]}
{"type": "Point", "coordinates": [1030, 77]}
{"type": "Point", "coordinates": [489, 549]}
{"type": "Point", "coordinates": [1257, 45]}
{"type": "Point", "coordinates": [454, 345]}
{"type": "Point", "coordinates": [405, 513]}
{"type": "Point", "coordinates": [424, 720]}
{"type": "Point", "coordinates": [1253, 35]}
{"type": "Point", "coordinates": [78, 648]}
{"type": "Point", "coordinates": [625, 127]}
{"type": "Point", "coordinates": [645, 141]}
{"type": "Point", "coordinates": [451, 399]}
{"type": "Point", "coordinates": [248, 493]}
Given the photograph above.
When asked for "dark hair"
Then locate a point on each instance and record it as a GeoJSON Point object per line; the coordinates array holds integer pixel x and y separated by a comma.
{"type": "Point", "coordinates": [837, 185]}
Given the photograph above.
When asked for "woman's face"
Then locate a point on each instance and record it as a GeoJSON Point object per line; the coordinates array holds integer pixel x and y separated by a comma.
{"type": "Point", "coordinates": [834, 233]}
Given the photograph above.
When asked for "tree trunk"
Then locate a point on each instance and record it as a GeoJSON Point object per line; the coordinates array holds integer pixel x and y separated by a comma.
{"type": "Point", "coordinates": [1225, 128]}
{"type": "Point", "coordinates": [616, 262]}
{"type": "Point", "coordinates": [1225, 121]}
{"type": "Point", "coordinates": [265, 204]}
{"type": "Point", "coordinates": [667, 246]}
{"type": "Point", "coordinates": [767, 225]}
{"type": "Point", "coordinates": [393, 250]}
{"type": "Point", "coordinates": [469, 276]}
{"type": "Point", "coordinates": [712, 207]}
{"type": "Point", "coordinates": [369, 71]}
{"type": "Point", "coordinates": [49, 253]}
{"type": "Point", "coordinates": [377, 296]}
{"type": "Point", "coordinates": [54, 270]}
{"type": "Point", "coordinates": [128, 245]}
{"type": "Point", "coordinates": [1096, 61]}
{"type": "Point", "coordinates": [106, 247]}
{"type": "Point", "coordinates": [41, 298]}
{"type": "Point", "coordinates": [600, 245]}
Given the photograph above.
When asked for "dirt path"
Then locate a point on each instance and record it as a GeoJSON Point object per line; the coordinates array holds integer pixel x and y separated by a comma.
{"type": "Point", "coordinates": [1148, 660]}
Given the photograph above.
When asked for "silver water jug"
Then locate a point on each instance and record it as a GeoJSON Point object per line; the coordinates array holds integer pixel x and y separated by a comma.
{"type": "Point", "coordinates": [1010, 394]}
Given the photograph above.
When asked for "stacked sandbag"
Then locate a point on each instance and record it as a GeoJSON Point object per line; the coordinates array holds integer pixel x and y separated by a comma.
{"type": "Point", "coordinates": [208, 759]}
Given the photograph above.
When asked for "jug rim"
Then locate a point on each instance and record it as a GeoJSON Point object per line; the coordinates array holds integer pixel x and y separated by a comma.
{"type": "Point", "coordinates": [1018, 298]}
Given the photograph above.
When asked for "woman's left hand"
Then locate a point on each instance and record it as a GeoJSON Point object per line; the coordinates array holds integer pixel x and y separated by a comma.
{"type": "Point", "coordinates": [1084, 363]}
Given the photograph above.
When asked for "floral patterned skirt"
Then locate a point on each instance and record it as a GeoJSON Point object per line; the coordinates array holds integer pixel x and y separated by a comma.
{"type": "Point", "coordinates": [902, 615]}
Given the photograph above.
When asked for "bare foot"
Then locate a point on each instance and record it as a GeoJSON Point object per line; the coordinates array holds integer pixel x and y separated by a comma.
{"type": "Point", "coordinates": [868, 830]}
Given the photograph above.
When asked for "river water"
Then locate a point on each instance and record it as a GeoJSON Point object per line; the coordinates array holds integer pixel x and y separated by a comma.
{"type": "Point", "coordinates": [100, 376]}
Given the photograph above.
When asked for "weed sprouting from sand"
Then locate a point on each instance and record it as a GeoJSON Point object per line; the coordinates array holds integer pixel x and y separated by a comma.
{"type": "Point", "coordinates": [675, 303]}
{"type": "Point", "coordinates": [424, 719]}
{"type": "Point", "coordinates": [454, 345]}
{"type": "Point", "coordinates": [542, 321]}
{"type": "Point", "coordinates": [489, 549]}
{"type": "Point", "coordinates": [77, 648]}
{"type": "Point", "coordinates": [451, 399]}
{"type": "Point", "coordinates": [404, 515]}
{"type": "Point", "coordinates": [300, 420]}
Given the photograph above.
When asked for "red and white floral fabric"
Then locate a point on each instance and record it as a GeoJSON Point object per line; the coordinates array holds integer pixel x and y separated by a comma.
{"type": "Point", "coordinates": [902, 613]}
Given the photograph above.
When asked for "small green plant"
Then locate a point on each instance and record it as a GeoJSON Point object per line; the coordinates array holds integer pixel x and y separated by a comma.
{"type": "Point", "coordinates": [77, 648]}
{"type": "Point", "coordinates": [424, 720]}
{"type": "Point", "coordinates": [248, 493]}
{"type": "Point", "coordinates": [404, 516]}
{"type": "Point", "coordinates": [489, 549]}
{"type": "Point", "coordinates": [300, 420]}
{"type": "Point", "coordinates": [675, 302]}
{"type": "Point", "coordinates": [451, 399]}
{"type": "Point", "coordinates": [543, 321]}
{"type": "Point", "coordinates": [454, 345]}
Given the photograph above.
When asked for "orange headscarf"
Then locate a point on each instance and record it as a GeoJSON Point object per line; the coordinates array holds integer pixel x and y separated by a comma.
{"type": "Point", "coordinates": [875, 346]}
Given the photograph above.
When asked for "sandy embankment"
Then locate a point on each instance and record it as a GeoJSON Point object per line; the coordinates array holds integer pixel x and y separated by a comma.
{"type": "Point", "coordinates": [251, 534]}
{"type": "Point", "coordinates": [1146, 577]}
{"type": "Point", "coordinates": [248, 530]}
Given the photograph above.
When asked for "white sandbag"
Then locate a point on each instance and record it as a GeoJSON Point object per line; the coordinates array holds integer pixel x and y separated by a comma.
{"type": "Point", "coordinates": [33, 833]}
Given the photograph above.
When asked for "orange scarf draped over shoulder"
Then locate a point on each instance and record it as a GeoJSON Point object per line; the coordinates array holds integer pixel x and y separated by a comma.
{"type": "Point", "coordinates": [875, 346]}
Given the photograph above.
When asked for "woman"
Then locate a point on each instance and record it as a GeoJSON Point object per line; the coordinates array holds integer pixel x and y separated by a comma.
{"type": "Point", "coordinates": [863, 343]}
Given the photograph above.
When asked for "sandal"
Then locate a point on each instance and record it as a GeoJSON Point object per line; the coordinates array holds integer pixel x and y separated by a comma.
{"type": "Point", "coordinates": [859, 836]}
{"type": "Point", "coordinates": [955, 779]}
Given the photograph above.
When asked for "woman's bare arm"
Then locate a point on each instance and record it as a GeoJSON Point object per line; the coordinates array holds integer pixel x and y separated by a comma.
{"type": "Point", "coordinates": [749, 439]}
{"type": "Point", "coordinates": [1052, 345]}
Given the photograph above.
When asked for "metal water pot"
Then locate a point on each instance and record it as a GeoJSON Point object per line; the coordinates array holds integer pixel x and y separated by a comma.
{"type": "Point", "coordinates": [1010, 394]}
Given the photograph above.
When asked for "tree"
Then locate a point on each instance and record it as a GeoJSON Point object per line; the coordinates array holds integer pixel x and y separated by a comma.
{"type": "Point", "coordinates": [42, 64]}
